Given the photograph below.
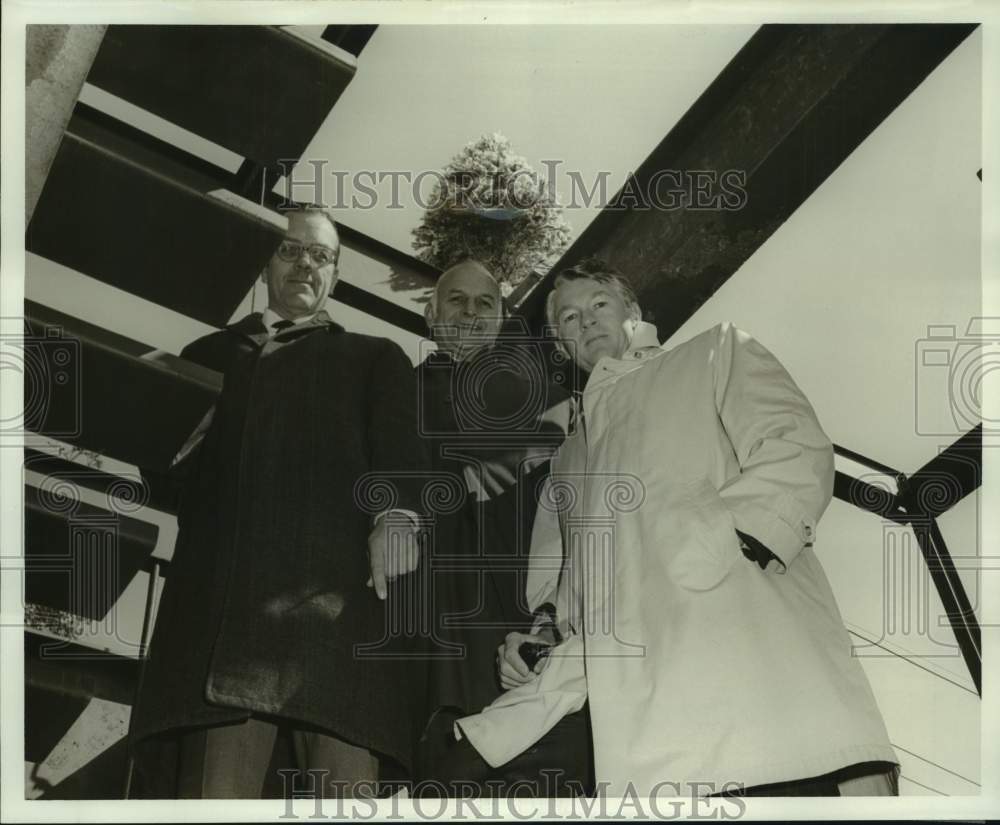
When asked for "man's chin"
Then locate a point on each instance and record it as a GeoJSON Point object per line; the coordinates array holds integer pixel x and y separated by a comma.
{"type": "Point", "coordinates": [595, 354]}
{"type": "Point", "coordinates": [461, 350]}
{"type": "Point", "coordinates": [462, 347]}
{"type": "Point", "coordinates": [300, 305]}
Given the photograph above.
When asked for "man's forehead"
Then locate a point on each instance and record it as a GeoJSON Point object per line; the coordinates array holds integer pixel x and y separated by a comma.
{"type": "Point", "coordinates": [312, 226]}
{"type": "Point", "coordinates": [472, 289]}
{"type": "Point", "coordinates": [580, 289]}
{"type": "Point", "coordinates": [468, 280]}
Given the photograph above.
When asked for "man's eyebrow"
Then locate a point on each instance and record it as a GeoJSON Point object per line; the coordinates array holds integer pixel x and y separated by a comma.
{"type": "Point", "coordinates": [590, 297]}
{"type": "Point", "coordinates": [307, 243]}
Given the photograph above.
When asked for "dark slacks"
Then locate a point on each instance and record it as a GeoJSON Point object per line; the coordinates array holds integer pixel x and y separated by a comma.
{"type": "Point", "coordinates": [863, 779]}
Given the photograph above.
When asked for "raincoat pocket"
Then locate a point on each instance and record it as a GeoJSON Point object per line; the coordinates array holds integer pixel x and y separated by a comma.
{"type": "Point", "coordinates": [708, 544]}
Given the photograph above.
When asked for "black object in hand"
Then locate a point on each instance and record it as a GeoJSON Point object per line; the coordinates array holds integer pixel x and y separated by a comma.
{"type": "Point", "coordinates": [754, 550]}
{"type": "Point", "coordinates": [533, 652]}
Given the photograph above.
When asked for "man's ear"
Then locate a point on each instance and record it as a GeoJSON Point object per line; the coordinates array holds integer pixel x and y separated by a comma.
{"type": "Point", "coordinates": [429, 315]}
{"type": "Point", "coordinates": [632, 322]}
{"type": "Point", "coordinates": [568, 352]}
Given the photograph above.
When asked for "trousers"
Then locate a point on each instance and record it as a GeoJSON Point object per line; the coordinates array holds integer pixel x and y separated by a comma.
{"type": "Point", "coordinates": [231, 762]}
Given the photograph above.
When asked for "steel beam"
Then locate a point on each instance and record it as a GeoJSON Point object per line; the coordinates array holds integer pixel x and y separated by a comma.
{"type": "Point", "coordinates": [785, 113]}
{"type": "Point", "coordinates": [113, 397]}
{"type": "Point", "coordinates": [950, 476]}
{"type": "Point", "coordinates": [350, 38]}
{"type": "Point", "coordinates": [260, 91]}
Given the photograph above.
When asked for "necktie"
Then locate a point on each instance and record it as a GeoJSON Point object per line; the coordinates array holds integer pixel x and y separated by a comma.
{"type": "Point", "coordinates": [277, 326]}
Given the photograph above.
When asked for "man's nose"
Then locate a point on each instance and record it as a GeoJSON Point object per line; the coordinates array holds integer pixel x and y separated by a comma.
{"type": "Point", "coordinates": [587, 318]}
{"type": "Point", "coordinates": [470, 309]}
{"type": "Point", "coordinates": [304, 259]}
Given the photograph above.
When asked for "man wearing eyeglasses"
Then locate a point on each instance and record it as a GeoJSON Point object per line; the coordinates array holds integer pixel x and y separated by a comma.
{"type": "Point", "coordinates": [281, 580]}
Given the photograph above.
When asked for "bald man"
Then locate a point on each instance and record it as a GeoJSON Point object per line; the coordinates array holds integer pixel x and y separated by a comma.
{"type": "Point", "coordinates": [465, 311]}
{"type": "Point", "coordinates": [488, 421]}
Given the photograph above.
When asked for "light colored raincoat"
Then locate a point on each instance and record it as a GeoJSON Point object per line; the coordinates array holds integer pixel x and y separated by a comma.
{"type": "Point", "coordinates": [700, 666]}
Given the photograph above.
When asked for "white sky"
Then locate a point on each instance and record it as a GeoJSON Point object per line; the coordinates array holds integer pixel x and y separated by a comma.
{"type": "Point", "coordinates": [593, 97]}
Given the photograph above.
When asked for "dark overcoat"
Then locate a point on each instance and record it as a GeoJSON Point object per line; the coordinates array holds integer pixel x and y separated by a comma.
{"type": "Point", "coordinates": [266, 609]}
{"type": "Point", "coordinates": [481, 417]}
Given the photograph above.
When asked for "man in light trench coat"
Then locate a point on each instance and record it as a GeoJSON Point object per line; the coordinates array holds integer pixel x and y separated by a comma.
{"type": "Point", "coordinates": [675, 541]}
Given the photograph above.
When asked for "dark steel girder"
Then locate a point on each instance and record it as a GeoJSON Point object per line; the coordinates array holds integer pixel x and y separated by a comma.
{"type": "Point", "coordinates": [108, 393]}
{"type": "Point", "coordinates": [950, 476]}
{"type": "Point", "coordinates": [261, 91]}
{"type": "Point", "coordinates": [153, 226]}
{"type": "Point", "coordinates": [937, 486]}
{"type": "Point", "coordinates": [786, 111]}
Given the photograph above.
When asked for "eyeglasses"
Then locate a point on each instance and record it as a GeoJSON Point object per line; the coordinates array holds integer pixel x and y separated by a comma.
{"type": "Point", "coordinates": [289, 250]}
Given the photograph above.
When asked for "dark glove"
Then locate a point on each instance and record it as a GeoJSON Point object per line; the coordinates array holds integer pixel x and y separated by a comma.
{"type": "Point", "coordinates": [754, 550]}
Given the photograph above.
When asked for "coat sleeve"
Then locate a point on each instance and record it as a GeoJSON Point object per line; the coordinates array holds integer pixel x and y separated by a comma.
{"type": "Point", "coordinates": [546, 561]}
{"type": "Point", "coordinates": [396, 450]}
{"type": "Point", "coordinates": [786, 460]}
{"type": "Point", "coordinates": [166, 482]}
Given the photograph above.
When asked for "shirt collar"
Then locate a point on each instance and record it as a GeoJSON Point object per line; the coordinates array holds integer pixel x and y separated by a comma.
{"type": "Point", "coordinates": [645, 337]}
{"type": "Point", "coordinates": [644, 343]}
{"type": "Point", "coordinates": [270, 318]}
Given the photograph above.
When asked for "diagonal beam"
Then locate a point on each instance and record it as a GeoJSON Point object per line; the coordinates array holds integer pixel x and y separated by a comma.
{"type": "Point", "coordinates": [950, 476]}
{"type": "Point", "coordinates": [111, 394]}
{"type": "Point", "coordinates": [270, 91]}
{"type": "Point", "coordinates": [868, 497]}
{"type": "Point", "coordinates": [786, 111]}
{"type": "Point", "coordinates": [360, 299]}
{"type": "Point", "coordinates": [933, 489]}
{"type": "Point", "coordinates": [351, 39]}
{"type": "Point", "coordinates": [954, 599]}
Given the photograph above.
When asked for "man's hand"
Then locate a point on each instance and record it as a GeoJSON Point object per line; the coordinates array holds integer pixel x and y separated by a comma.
{"type": "Point", "coordinates": [513, 669]}
{"type": "Point", "coordinates": [755, 551]}
{"type": "Point", "coordinates": [393, 550]}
